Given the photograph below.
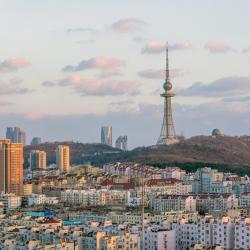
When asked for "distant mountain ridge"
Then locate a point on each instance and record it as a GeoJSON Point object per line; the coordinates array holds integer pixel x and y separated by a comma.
{"type": "Point", "coordinates": [230, 152]}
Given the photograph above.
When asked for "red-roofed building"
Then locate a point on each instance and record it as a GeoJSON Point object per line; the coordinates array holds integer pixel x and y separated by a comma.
{"type": "Point", "coordinates": [168, 186]}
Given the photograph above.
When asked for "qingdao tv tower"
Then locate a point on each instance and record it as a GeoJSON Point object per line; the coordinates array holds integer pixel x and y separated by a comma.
{"type": "Point", "coordinates": [167, 135]}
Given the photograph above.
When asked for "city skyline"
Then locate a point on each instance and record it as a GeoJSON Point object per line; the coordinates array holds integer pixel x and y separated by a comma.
{"type": "Point", "coordinates": [116, 62]}
{"type": "Point", "coordinates": [127, 125]}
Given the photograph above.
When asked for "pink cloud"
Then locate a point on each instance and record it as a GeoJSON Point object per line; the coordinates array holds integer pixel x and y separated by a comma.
{"type": "Point", "coordinates": [108, 65]}
{"type": "Point", "coordinates": [34, 116]}
{"type": "Point", "coordinates": [215, 47]}
{"type": "Point", "coordinates": [156, 47]}
{"type": "Point", "coordinates": [99, 87]}
{"type": "Point", "coordinates": [129, 24]}
{"type": "Point", "coordinates": [14, 64]}
{"type": "Point", "coordinates": [181, 46]}
{"type": "Point", "coordinates": [160, 73]}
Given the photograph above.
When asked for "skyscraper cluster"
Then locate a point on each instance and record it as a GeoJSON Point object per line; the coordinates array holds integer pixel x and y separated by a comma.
{"type": "Point", "coordinates": [16, 135]}
{"type": "Point", "coordinates": [106, 138]}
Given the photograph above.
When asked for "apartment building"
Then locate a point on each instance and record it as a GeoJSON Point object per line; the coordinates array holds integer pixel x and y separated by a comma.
{"type": "Point", "coordinates": [242, 234]}
{"type": "Point", "coordinates": [10, 201]}
{"type": "Point", "coordinates": [223, 232]}
{"type": "Point", "coordinates": [93, 197]}
{"type": "Point", "coordinates": [84, 197]}
{"type": "Point", "coordinates": [167, 186]}
{"type": "Point", "coordinates": [164, 203]}
{"type": "Point", "coordinates": [186, 234]}
{"type": "Point", "coordinates": [159, 238]}
{"type": "Point", "coordinates": [209, 202]}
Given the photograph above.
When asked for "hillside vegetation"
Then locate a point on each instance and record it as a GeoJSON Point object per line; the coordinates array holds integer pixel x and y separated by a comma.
{"type": "Point", "coordinates": [223, 152]}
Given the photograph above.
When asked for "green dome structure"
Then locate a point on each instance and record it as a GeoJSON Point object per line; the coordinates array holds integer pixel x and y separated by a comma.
{"type": "Point", "coordinates": [167, 86]}
{"type": "Point", "coordinates": [216, 132]}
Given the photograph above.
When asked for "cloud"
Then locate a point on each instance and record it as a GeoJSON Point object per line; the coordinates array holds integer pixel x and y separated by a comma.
{"type": "Point", "coordinates": [48, 83]}
{"type": "Point", "coordinates": [97, 87]}
{"type": "Point", "coordinates": [16, 80]}
{"type": "Point", "coordinates": [124, 106]}
{"type": "Point", "coordinates": [219, 88]}
{"type": "Point", "coordinates": [218, 48]}
{"type": "Point", "coordinates": [83, 42]}
{"type": "Point", "coordinates": [128, 25]}
{"type": "Point", "coordinates": [5, 103]}
{"type": "Point", "coordinates": [107, 65]}
{"type": "Point", "coordinates": [160, 73]}
{"type": "Point", "coordinates": [156, 47]}
{"type": "Point", "coordinates": [181, 46]}
{"type": "Point", "coordinates": [237, 99]}
{"type": "Point", "coordinates": [14, 64]}
{"type": "Point", "coordinates": [140, 39]}
{"type": "Point", "coordinates": [246, 50]}
{"type": "Point", "coordinates": [201, 119]}
{"type": "Point", "coordinates": [34, 116]}
{"type": "Point", "coordinates": [12, 87]}
{"type": "Point", "coordinates": [80, 29]}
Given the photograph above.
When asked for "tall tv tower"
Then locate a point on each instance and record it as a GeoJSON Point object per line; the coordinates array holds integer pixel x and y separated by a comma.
{"type": "Point", "coordinates": [167, 135]}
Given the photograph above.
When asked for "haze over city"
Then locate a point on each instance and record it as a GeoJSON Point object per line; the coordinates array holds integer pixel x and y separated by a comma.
{"type": "Point", "coordinates": [69, 67]}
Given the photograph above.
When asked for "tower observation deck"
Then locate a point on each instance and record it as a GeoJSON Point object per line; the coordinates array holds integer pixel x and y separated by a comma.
{"type": "Point", "coordinates": [167, 135]}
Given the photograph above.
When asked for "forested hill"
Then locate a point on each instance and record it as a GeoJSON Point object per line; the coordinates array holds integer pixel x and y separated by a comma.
{"type": "Point", "coordinates": [223, 151]}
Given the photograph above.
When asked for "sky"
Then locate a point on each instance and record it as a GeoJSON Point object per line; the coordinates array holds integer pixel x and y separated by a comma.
{"type": "Point", "coordinates": [69, 67]}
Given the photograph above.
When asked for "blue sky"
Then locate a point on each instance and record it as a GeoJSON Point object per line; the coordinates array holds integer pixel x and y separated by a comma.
{"type": "Point", "coordinates": [69, 67]}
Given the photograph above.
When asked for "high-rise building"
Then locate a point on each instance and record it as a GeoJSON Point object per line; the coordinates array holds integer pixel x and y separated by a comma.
{"type": "Point", "coordinates": [36, 141]}
{"type": "Point", "coordinates": [106, 136]}
{"type": "Point", "coordinates": [16, 135]}
{"type": "Point", "coordinates": [11, 167]}
{"type": "Point", "coordinates": [63, 158]}
{"type": "Point", "coordinates": [12, 133]}
{"type": "Point", "coordinates": [22, 138]}
{"type": "Point", "coordinates": [37, 159]}
{"type": "Point", "coordinates": [122, 143]}
{"type": "Point", "coordinates": [167, 135]}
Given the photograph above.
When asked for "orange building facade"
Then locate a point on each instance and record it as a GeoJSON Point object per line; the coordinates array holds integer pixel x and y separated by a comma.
{"type": "Point", "coordinates": [11, 167]}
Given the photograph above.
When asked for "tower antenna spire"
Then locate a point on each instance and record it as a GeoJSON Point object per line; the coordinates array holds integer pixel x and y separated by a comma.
{"type": "Point", "coordinates": [167, 66]}
{"type": "Point", "coordinates": [167, 135]}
